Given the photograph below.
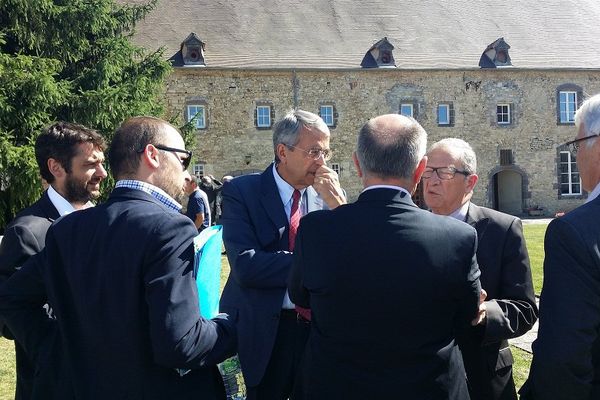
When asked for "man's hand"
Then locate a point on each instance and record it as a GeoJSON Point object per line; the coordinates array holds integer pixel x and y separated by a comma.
{"type": "Point", "coordinates": [480, 318]}
{"type": "Point", "coordinates": [327, 185]}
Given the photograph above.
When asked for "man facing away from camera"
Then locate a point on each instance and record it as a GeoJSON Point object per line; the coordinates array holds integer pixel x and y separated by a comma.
{"type": "Point", "coordinates": [388, 283]}
{"type": "Point", "coordinates": [120, 278]}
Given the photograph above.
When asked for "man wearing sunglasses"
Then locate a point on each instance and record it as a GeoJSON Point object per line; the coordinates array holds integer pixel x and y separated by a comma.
{"type": "Point", "coordinates": [120, 279]}
{"type": "Point", "coordinates": [260, 219]}
{"type": "Point", "coordinates": [566, 354]}
{"type": "Point", "coordinates": [510, 309]}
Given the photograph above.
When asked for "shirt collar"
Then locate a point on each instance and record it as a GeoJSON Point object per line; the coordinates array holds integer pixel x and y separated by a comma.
{"type": "Point", "coordinates": [61, 204]}
{"type": "Point", "coordinates": [461, 213]}
{"type": "Point", "coordinates": [152, 190]}
{"type": "Point", "coordinates": [387, 187]}
{"type": "Point", "coordinates": [594, 193]}
{"type": "Point", "coordinates": [285, 189]}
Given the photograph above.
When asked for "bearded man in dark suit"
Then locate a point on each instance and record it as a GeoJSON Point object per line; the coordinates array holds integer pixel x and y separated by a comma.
{"type": "Point", "coordinates": [511, 311]}
{"type": "Point", "coordinates": [387, 282]}
{"type": "Point", "coordinates": [70, 159]}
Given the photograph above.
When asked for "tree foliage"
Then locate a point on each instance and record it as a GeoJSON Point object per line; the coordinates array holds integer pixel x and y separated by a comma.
{"type": "Point", "coordinates": [69, 60]}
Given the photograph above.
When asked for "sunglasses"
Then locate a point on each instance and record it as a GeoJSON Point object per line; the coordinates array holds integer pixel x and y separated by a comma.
{"type": "Point", "coordinates": [185, 162]}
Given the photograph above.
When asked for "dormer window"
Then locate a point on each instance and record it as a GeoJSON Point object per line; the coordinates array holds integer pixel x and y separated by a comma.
{"type": "Point", "coordinates": [496, 55]}
{"type": "Point", "coordinates": [192, 51]}
{"type": "Point", "coordinates": [380, 55]}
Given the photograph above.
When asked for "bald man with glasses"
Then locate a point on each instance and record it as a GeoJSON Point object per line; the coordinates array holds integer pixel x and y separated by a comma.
{"type": "Point", "coordinates": [448, 183]}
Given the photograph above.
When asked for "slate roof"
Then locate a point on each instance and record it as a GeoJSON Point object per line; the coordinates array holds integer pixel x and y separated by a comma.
{"type": "Point", "coordinates": [334, 34]}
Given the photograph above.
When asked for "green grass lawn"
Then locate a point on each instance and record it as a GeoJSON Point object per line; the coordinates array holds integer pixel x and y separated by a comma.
{"type": "Point", "coordinates": [534, 236]}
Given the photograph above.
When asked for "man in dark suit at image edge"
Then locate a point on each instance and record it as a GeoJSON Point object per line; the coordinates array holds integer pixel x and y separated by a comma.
{"type": "Point", "coordinates": [566, 353]}
{"type": "Point", "coordinates": [388, 283]}
{"type": "Point", "coordinates": [70, 159]}
{"type": "Point", "coordinates": [120, 278]}
{"type": "Point", "coordinates": [448, 183]}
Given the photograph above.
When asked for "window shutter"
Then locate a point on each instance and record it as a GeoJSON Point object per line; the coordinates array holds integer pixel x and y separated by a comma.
{"type": "Point", "coordinates": [579, 98]}
{"type": "Point", "coordinates": [256, 116]}
{"type": "Point", "coordinates": [335, 117]}
{"type": "Point", "coordinates": [272, 109]}
{"type": "Point", "coordinates": [451, 114]}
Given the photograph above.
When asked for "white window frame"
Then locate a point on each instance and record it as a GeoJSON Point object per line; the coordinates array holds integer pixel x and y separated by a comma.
{"type": "Point", "coordinates": [440, 107]}
{"type": "Point", "coordinates": [326, 112]}
{"type": "Point", "coordinates": [198, 169]}
{"type": "Point", "coordinates": [192, 110]}
{"type": "Point", "coordinates": [261, 122]}
{"type": "Point", "coordinates": [571, 162]}
{"type": "Point", "coordinates": [501, 114]}
{"type": "Point", "coordinates": [336, 167]}
{"type": "Point", "coordinates": [410, 106]}
{"type": "Point", "coordinates": [568, 116]}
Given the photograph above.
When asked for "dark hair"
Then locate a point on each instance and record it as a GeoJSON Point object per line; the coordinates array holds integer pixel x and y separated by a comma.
{"type": "Point", "coordinates": [59, 141]}
{"type": "Point", "coordinates": [130, 140]}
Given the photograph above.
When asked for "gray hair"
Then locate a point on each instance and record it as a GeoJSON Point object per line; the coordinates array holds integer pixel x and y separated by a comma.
{"type": "Point", "coordinates": [461, 150]}
{"type": "Point", "coordinates": [287, 131]}
{"type": "Point", "coordinates": [391, 151]}
{"type": "Point", "coordinates": [589, 115]}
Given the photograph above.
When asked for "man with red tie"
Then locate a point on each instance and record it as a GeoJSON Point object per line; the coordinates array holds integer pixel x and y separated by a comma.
{"type": "Point", "coordinates": [260, 220]}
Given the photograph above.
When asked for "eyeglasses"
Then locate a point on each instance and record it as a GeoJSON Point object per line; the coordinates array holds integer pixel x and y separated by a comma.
{"type": "Point", "coordinates": [444, 173]}
{"type": "Point", "coordinates": [185, 162]}
{"type": "Point", "coordinates": [573, 145]}
{"type": "Point", "coordinates": [315, 154]}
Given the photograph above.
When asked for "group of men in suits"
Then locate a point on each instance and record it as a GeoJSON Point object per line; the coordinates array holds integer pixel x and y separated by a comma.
{"type": "Point", "coordinates": [373, 299]}
{"type": "Point", "coordinates": [120, 280]}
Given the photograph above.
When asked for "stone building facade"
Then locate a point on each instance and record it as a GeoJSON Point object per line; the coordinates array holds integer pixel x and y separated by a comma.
{"type": "Point", "coordinates": [519, 162]}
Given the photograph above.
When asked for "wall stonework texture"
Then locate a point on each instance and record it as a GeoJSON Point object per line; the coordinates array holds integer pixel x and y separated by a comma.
{"type": "Point", "coordinates": [231, 144]}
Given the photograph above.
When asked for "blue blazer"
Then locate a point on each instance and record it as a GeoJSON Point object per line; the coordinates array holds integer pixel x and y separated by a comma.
{"type": "Point", "coordinates": [255, 232]}
{"type": "Point", "coordinates": [120, 280]}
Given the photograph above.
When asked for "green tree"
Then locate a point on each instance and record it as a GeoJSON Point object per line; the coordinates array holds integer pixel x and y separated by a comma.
{"type": "Point", "coordinates": [70, 60]}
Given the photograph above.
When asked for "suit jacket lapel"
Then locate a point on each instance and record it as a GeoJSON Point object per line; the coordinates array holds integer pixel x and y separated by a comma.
{"type": "Point", "coordinates": [476, 219]}
{"type": "Point", "coordinates": [48, 208]}
{"type": "Point", "coordinates": [271, 201]}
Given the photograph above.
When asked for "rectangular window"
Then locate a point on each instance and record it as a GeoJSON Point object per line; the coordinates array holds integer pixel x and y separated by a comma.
{"type": "Point", "coordinates": [503, 114]}
{"type": "Point", "coordinates": [406, 109]}
{"type": "Point", "coordinates": [336, 168]}
{"type": "Point", "coordinates": [568, 105]}
{"type": "Point", "coordinates": [570, 182]}
{"type": "Point", "coordinates": [443, 114]}
{"type": "Point", "coordinates": [326, 113]}
{"type": "Point", "coordinates": [198, 169]}
{"type": "Point", "coordinates": [263, 116]}
{"type": "Point", "coordinates": [198, 114]}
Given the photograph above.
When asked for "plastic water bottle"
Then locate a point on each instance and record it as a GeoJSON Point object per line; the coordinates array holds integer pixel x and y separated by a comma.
{"type": "Point", "coordinates": [231, 371]}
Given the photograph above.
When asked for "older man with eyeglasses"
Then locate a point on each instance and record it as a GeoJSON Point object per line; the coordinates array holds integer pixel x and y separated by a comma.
{"type": "Point", "coordinates": [510, 309]}
{"type": "Point", "coordinates": [566, 354]}
{"type": "Point", "coordinates": [260, 220]}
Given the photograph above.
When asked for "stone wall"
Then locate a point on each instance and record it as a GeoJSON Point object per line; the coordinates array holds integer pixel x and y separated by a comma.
{"type": "Point", "coordinates": [231, 142]}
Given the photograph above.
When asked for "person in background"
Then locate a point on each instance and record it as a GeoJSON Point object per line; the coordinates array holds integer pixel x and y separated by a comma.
{"type": "Point", "coordinates": [511, 311]}
{"type": "Point", "coordinates": [566, 353]}
{"type": "Point", "coordinates": [197, 205]}
{"type": "Point", "coordinates": [70, 159]}
{"type": "Point", "coordinates": [260, 219]}
{"type": "Point", "coordinates": [212, 187]}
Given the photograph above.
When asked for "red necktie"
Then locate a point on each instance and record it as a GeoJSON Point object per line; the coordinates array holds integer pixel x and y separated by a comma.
{"type": "Point", "coordinates": [295, 215]}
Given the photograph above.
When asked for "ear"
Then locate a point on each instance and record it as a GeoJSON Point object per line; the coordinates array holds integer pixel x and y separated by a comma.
{"type": "Point", "coordinates": [471, 182]}
{"type": "Point", "coordinates": [357, 165]}
{"type": "Point", "coordinates": [281, 151]}
{"type": "Point", "coordinates": [151, 157]}
{"type": "Point", "coordinates": [419, 171]}
{"type": "Point", "coordinates": [56, 168]}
